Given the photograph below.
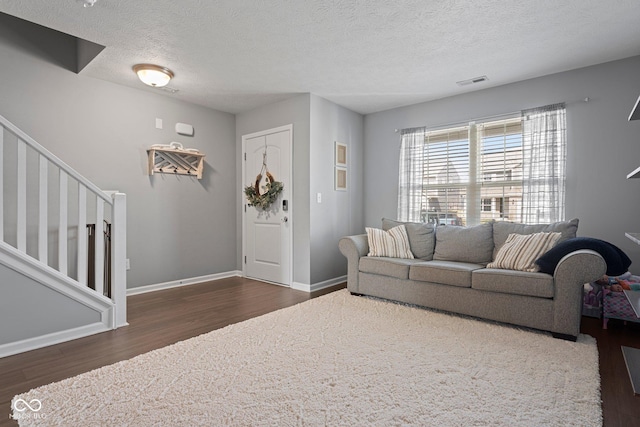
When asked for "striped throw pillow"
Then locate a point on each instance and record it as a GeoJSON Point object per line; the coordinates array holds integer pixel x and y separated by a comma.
{"type": "Point", "coordinates": [393, 243]}
{"type": "Point", "coordinates": [520, 251]}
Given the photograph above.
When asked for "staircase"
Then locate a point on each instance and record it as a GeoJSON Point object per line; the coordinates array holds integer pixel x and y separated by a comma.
{"type": "Point", "coordinates": [46, 208]}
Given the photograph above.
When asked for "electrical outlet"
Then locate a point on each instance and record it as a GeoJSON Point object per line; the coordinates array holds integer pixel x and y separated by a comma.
{"type": "Point", "coordinates": [128, 264]}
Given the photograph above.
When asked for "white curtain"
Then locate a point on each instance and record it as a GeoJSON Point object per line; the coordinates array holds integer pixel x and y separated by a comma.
{"type": "Point", "coordinates": [411, 176]}
{"type": "Point", "coordinates": [544, 142]}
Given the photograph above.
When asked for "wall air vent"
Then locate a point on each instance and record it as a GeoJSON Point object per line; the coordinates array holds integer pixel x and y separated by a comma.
{"type": "Point", "coordinates": [472, 81]}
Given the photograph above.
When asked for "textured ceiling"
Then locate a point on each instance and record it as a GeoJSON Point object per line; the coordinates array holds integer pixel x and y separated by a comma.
{"type": "Point", "coordinates": [367, 55]}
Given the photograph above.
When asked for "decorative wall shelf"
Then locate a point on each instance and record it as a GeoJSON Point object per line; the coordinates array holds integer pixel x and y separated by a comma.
{"type": "Point", "coordinates": [632, 355]}
{"type": "Point", "coordinates": [635, 115]}
{"type": "Point", "coordinates": [635, 111]}
{"type": "Point", "coordinates": [634, 237]}
{"type": "Point", "coordinates": [634, 174]}
{"type": "Point", "coordinates": [175, 161]}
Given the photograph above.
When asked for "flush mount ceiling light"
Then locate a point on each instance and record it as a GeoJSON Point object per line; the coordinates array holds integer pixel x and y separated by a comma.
{"type": "Point", "coordinates": [153, 75]}
{"type": "Point", "coordinates": [89, 3]}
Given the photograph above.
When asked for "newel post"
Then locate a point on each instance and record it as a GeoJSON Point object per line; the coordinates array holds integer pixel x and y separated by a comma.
{"type": "Point", "coordinates": [118, 258]}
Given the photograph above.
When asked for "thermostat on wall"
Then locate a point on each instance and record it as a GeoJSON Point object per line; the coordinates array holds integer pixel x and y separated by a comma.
{"type": "Point", "coordinates": [184, 129]}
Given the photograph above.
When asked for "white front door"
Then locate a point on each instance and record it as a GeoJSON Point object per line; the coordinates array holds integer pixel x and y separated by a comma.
{"type": "Point", "coordinates": [267, 237]}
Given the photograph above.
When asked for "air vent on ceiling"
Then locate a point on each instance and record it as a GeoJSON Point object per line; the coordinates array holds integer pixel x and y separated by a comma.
{"type": "Point", "coordinates": [472, 81]}
{"type": "Point", "coordinates": [168, 89]}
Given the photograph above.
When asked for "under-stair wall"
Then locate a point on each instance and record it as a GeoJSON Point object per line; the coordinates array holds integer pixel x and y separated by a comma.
{"type": "Point", "coordinates": [33, 312]}
{"type": "Point", "coordinates": [44, 249]}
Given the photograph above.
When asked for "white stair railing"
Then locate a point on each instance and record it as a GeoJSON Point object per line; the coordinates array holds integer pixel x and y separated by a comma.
{"type": "Point", "coordinates": [48, 220]}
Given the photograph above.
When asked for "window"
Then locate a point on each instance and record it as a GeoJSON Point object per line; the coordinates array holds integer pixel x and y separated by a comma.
{"type": "Point", "coordinates": [446, 176]}
{"type": "Point", "coordinates": [500, 162]}
{"type": "Point", "coordinates": [509, 169]}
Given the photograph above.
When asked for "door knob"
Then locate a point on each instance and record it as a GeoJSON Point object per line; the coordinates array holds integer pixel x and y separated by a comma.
{"type": "Point", "coordinates": [285, 219]}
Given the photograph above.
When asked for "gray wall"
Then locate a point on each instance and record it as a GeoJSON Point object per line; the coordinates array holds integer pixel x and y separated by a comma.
{"type": "Point", "coordinates": [178, 226]}
{"type": "Point", "coordinates": [30, 310]}
{"type": "Point", "coordinates": [294, 111]}
{"type": "Point", "coordinates": [602, 148]}
{"type": "Point", "coordinates": [341, 212]}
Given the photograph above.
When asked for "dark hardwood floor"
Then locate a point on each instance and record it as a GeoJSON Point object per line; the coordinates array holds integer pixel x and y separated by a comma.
{"type": "Point", "coordinates": [156, 320]}
{"type": "Point", "coordinates": [161, 318]}
{"type": "Point", "coordinates": [620, 406]}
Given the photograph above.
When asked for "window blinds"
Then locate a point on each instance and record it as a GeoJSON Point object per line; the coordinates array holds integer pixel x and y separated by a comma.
{"type": "Point", "coordinates": [500, 170]}
{"type": "Point", "coordinates": [446, 176]}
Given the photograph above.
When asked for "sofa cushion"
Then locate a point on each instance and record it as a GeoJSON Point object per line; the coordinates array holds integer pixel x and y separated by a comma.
{"type": "Point", "coordinates": [465, 244]}
{"type": "Point", "coordinates": [521, 251]}
{"type": "Point", "coordinates": [393, 243]}
{"type": "Point", "coordinates": [445, 272]}
{"type": "Point", "coordinates": [502, 229]}
{"type": "Point", "coordinates": [513, 282]}
{"type": "Point", "coordinates": [422, 237]}
{"type": "Point", "coordinates": [393, 267]}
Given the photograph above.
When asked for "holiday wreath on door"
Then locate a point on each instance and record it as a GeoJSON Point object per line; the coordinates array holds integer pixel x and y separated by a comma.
{"type": "Point", "coordinates": [270, 191]}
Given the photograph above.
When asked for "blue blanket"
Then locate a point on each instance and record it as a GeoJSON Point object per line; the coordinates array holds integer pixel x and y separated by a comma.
{"type": "Point", "coordinates": [617, 261]}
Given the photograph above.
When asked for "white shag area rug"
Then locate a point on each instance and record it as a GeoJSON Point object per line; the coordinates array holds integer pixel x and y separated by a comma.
{"type": "Point", "coordinates": [339, 360]}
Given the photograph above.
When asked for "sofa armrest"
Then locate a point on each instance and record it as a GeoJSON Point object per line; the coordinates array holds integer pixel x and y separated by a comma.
{"type": "Point", "coordinates": [353, 247]}
{"type": "Point", "coordinates": [571, 273]}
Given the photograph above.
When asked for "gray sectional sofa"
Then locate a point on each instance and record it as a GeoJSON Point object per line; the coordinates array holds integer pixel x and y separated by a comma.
{"type": "Point", "coordinates": [449, 273]}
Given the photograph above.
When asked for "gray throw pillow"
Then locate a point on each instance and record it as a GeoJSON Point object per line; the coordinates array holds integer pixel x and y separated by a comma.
{"type": "Point", "coordinates": [464, 244]}
{"type": "Point", "coordinates": [502, 229]}
{"type": "Point", "coordinates": [421, 237]}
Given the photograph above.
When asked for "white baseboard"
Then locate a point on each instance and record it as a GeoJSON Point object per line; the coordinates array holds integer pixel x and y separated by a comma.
{"type": "Point", "coordinates": [236, 273]}
{"type": "Point", "coordinates": [53, 338]}
{"type": "Point", "coordinates": [318, 286]}
{"type": "Point", "coordinates": [182, 282]}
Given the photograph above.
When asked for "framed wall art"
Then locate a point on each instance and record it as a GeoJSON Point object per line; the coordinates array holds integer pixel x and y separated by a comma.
{"type": "Point", "coordinates": [341, 179]}
{"type": "Point", "coordinates": [340, 166]}
{"type": "Point", "coordinates": [341, 154]}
